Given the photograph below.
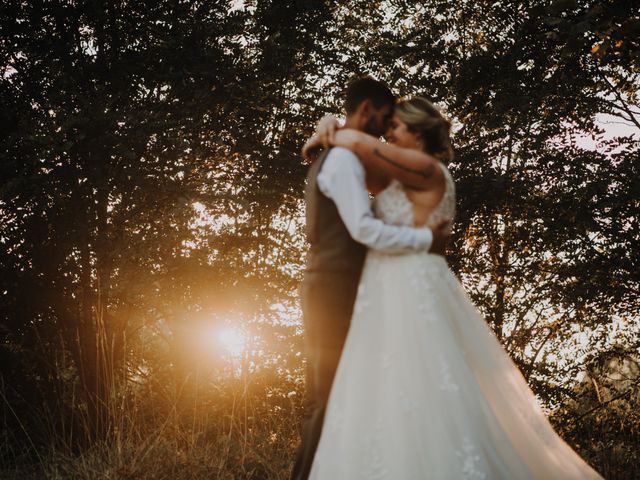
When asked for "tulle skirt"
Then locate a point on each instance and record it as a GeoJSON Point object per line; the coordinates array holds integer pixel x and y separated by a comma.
{"type": "Point", "coordinates": [425, 391]}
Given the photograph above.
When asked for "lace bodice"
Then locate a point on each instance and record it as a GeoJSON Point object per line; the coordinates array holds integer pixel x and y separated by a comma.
{"type": "Point", "coordinates": [394, 207]}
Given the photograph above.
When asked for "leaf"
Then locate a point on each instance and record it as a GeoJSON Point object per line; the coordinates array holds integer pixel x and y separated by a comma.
{"type": "Point", "coordinates": [582, 27]}
{"type": "Point", "coordinates": [553, 21]}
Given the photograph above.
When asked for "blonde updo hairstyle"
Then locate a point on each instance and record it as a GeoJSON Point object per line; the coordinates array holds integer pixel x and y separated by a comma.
{"type": "Point", "coordinates": [424, 119]}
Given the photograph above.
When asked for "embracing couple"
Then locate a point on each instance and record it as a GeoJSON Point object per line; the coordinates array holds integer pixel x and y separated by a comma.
{"type": "Point", "coordinates": [404, 378]}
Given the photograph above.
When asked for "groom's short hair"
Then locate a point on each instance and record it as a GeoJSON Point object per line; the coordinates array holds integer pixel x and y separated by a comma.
{"type": "Point", "coordinates": [367, 88]}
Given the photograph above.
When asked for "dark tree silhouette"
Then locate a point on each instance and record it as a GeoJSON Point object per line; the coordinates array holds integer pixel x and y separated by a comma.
{"type": "Point", "coordinates": [151, 189]}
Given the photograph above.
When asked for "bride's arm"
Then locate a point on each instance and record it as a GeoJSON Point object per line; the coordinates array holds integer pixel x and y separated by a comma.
{"type": "Point", "coordinates": [414, 168]}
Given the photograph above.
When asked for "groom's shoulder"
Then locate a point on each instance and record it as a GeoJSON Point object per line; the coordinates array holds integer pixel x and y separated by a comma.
{"type": "Point", "coordinates": [339, 159]}
{"type": "Point", "coordinates": [341, 152]}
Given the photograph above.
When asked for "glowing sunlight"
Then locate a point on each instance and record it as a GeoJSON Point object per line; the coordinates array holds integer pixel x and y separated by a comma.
{"type": "Point", "coordinates": [233, 340]}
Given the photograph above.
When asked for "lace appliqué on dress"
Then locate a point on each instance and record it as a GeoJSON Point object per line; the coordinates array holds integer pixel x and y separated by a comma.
{"type": "Point", "coordinates": [392, 205]}
{"type": "Point", "coordinates": [423, 287]}
{"type": "Point", "coordinates": [447, 383]}
{"type": "Point", "coordinates": [471, 462]}
{"type": "Point", "coordinates": [375, 465]}
{"type": "Point", "coordinates": [408, 403]}
{"type": "Point", "coordinates": [386, 361]}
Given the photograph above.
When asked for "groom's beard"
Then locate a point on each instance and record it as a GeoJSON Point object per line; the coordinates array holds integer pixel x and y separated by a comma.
{"type": "Point", "coordinates": [372, 127]}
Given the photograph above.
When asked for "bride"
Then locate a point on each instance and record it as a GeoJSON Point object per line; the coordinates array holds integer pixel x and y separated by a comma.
{"type": "Point", "coordinates": [424, 390]}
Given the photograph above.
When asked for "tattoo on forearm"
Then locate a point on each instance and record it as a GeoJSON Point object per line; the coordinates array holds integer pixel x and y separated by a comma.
{"type": "Point", "coordinates": [426, 173]}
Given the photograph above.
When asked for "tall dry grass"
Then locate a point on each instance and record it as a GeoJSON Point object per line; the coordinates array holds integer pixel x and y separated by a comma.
{"type": "Point", "coordinates": [219, 423]}
{"type": "Point", "coordinates": [222, 421]}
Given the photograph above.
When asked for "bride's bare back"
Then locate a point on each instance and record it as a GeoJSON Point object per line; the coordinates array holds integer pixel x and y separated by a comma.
{"type": "Point", "coordinates": [424, 201]}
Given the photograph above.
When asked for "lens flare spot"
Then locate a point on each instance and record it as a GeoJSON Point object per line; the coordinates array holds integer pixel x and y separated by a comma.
{"type": "Point", "coordinates": [233, 340]}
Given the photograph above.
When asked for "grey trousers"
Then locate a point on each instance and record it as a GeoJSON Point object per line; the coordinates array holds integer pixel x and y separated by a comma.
{"type": "Point", "coordinates": [327, 304]}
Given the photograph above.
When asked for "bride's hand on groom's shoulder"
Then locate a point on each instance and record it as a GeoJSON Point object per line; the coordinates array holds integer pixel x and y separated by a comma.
{"type": "Point", "coordinates": [311, 149]}
{"type": "Point", "coordinates": [323, 138]}
{"type": "Point", "coordinates": [326, 129]}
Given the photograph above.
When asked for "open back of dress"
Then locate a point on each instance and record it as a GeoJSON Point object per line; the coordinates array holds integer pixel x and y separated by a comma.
{"type": "Point", "coordinates": [394, 207]}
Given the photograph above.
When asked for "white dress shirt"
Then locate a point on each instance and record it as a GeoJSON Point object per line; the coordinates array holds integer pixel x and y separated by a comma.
{"type": "Point", "coordinates": [342, 179]}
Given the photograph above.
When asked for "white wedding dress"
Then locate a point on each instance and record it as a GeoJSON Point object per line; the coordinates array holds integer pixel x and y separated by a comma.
{"type": "Point", "coordinates": [424, 390]}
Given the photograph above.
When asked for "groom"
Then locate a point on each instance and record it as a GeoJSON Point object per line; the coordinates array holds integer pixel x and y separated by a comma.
{"type": "Point", "coordinates": [340, 228]}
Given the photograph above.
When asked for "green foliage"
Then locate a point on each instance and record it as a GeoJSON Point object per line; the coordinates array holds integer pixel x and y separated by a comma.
{"type": "Point", "coordinates": [151, 194]}
{"type": "Point", "coordinates": [606, 402]}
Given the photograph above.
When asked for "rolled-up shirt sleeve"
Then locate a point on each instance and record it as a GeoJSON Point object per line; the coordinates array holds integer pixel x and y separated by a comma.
{"type": "Point", "coordinates": [342, 179]}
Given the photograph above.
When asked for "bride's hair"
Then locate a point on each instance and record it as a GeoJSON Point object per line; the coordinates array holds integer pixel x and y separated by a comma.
{"type": "Point", "coordinates": [423, 118]}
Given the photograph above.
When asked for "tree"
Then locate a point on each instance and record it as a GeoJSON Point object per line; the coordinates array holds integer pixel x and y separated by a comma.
{"type": "Point", "coordinates": [121, 119]}
{"type": "Point", "coordinates": [151, 188]}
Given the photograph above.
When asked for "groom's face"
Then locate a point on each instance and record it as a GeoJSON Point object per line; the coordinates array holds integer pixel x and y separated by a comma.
{"type": "Point", "coordinates": [378, 121]}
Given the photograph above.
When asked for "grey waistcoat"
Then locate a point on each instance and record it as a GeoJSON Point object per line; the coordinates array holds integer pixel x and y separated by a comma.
{"type": "Point", "coordinates": [332, 248]}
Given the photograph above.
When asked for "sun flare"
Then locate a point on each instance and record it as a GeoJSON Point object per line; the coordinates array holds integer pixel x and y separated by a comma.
{"type": "Point", "coordinates": [233, 340]}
